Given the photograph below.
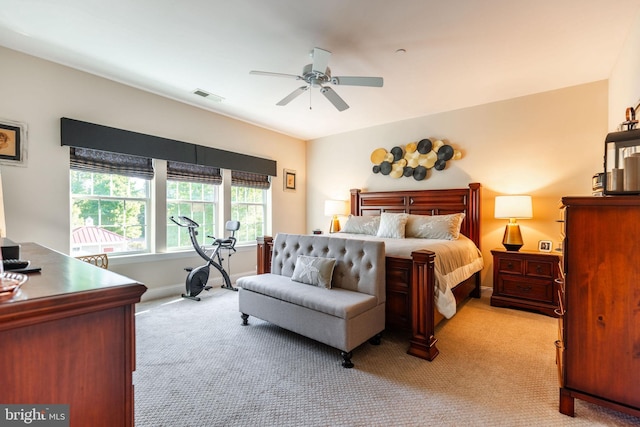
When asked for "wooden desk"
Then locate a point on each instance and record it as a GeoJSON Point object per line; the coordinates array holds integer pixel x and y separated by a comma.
{"type": "Point", "coordinates": [71, 340]}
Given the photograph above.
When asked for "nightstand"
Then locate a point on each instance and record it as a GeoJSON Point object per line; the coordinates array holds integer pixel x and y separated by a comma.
{"type": "Point", "coordinates": [526, 279]}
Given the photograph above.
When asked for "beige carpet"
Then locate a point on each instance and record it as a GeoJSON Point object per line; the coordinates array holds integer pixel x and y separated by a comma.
{"type": "Point", "coordinates": [197, 366]}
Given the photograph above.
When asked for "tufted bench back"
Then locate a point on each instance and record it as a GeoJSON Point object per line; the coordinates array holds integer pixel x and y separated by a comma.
{"type": "Point", "coordinates": [360, 265]}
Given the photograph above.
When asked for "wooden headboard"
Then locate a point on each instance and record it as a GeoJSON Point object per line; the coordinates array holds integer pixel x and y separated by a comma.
{"type": "Point", "coordinates": [424, 202]}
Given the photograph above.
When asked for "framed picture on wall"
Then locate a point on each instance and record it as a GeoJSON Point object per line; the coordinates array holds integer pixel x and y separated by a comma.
{"type": "Point", "coordinates": [13, 142]}
{"type": "Point", "coordinates": [289, 180]}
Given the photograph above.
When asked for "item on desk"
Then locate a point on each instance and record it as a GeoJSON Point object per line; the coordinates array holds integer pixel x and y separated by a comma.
{"type": "Point", "coordinates": [10, 284]}
{"type": "Point", "coordinates": [10, 250]}
{"type": "Point", "coordinates": [14, 264]}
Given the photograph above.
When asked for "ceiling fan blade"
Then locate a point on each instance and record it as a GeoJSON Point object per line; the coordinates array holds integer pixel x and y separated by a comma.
{"type": "Point", "coordinates": [287, 99]}
{"type": "Point", "coordinates": [357, 81]}
{"type": "Point", "coordinates": [333, 97]}
{"type": "Point", "coordinates": [320, 60]}
{"type": "Point", "coordinates": [270, 74]}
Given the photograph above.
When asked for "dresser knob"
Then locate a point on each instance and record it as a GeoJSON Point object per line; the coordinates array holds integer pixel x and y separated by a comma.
{"type": "Point", "coordinates": [510, 266]}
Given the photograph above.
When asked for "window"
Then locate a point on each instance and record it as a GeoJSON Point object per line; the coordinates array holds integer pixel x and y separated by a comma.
{"type": "Point", "coordinates": [109, 213]}
{"type": "Point", "coordinates": [197, 201]}
{"type": "Point", "coordinates": [192, 191]}
{"type": "Point", "coordinates": [112, 198]}
{"type": "Point", "coordinates": [248, 205]}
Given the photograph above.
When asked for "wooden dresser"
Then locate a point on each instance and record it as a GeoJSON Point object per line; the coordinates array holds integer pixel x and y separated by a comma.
{"type": "Point", "coordinates": [599, 326]}
{"type": "Point", "coordinates": [71, 340]}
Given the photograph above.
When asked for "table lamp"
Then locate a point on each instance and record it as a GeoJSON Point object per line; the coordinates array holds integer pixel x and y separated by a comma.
{"type": "Point", "coordinates": [512, 208]}
{"type": "Point", "coordinates": [333, 208]}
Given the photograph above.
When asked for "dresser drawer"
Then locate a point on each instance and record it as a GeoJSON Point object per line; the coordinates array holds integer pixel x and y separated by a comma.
{"type": "Point", "coordinates": [531, 289]}
{"type": "Point", "coordinates": [511, 266]}
{"type": "Point", "coordinates": [539, 269]}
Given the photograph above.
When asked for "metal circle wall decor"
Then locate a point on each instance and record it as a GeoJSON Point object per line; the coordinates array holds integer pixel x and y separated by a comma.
{"type": "Point", "coordinates": [414, 160]}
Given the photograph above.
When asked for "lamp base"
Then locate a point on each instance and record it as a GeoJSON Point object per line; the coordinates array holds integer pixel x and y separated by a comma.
{"type": "Point", "coordinates": [514, 248]}
{"type": "Point", "coordinates": [512, 239]}
{"type": "Point", "coordinates": [335, 225]}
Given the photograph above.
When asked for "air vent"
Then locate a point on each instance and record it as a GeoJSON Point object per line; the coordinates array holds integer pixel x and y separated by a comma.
{"type": "Point", "coordinates": [208, 95]}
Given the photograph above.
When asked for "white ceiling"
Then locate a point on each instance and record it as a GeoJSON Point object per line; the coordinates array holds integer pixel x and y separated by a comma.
{"type": "Point", "coordinates": [459, 53]}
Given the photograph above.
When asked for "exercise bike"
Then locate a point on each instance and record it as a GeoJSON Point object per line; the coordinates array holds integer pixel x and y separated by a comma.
{"type": "Point", "coordinates": [197, 278]}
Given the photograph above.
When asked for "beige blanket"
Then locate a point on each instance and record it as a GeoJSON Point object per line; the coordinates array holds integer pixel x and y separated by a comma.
{"type": "Point", "coordinates": [456, 260]}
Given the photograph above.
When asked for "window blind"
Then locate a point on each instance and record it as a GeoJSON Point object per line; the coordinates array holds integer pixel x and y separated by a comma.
{"type": "Point", "coordinates": [97, 161]}
{"type": "Point", "coordinates": [178, 171]}
{"type": "Point", "coordinates": [248, 179]}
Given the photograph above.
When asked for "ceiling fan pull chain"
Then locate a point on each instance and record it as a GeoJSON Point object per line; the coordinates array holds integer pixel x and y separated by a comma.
{"type": "Point", "coordinates": [310, 100]}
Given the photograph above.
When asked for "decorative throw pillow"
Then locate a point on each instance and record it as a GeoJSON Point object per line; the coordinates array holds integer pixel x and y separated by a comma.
{"type": "Point", "coordinates": [361, 225]}
{"type": "Point", "coordinates": [442, 227]}
{"type": "Point", "coordinates": [314, 271]}
{"type": "Point", "coordinates": [392, 225]}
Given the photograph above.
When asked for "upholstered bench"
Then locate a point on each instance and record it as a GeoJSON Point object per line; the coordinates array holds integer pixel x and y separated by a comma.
{"type": "Point", "coordinates": [328, 289]}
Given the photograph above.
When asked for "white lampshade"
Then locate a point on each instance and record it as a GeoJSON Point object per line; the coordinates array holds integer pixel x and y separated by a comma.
{"type": "Point", "coordinates": [513, 207]}
{"type": "Point", "coordinates": [335, 207]}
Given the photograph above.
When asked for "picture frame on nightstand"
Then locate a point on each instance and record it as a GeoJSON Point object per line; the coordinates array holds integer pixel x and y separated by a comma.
{"type": "Point", "coordinates": [545, 245]}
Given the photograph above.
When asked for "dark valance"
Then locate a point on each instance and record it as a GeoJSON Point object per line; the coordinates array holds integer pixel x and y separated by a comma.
{"type": "Point", "coordinates": [76, 133]}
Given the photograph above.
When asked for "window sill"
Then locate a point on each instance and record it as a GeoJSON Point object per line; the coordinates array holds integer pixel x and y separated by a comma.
{"type": "Point", "coordinates": [140, 258]}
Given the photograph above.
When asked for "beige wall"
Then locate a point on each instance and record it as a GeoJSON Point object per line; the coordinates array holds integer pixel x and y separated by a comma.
{"type": "Point", "coordinates": [36, 197]}
{"type": "Point", "coordinates": [548, 145]}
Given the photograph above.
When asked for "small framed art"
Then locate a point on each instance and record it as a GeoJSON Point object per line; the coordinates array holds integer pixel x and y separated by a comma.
{"type": "Point", "coordinates": [545, 245]}
{"type": "Point", "coordinates": [13, 142]}
{"type": "Point", "coordinates": [289, 180]}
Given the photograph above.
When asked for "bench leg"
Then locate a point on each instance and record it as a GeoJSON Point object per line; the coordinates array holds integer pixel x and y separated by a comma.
{"type": "Point", "coordinates": [376, 339]}
{"type": "Point", "coordinates": [245, 319]}
{"type": "Point", "coordinates": [346, 359]}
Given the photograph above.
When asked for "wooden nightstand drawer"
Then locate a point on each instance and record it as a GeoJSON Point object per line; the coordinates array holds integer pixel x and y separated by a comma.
{"type": "Point", "coordinates": [510, 265]}
{"type": "Point", "coordinates": [532, 289]}
{"type": "Point", "coordinates": [539, 269]}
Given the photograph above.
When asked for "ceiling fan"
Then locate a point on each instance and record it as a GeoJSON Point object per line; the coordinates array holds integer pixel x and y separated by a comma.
{"type": "Point", "coordinates": [318, 74]}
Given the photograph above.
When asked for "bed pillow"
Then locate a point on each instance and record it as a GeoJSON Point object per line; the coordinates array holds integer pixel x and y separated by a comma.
{"type": "Point", "coordinates": [361, 225]}
{"type": "Point", "coordinates": [314, 271]}
{"type": "Point", "coordinates": [442, 227]}
{"type": "Point", "coordinates": [392, 225]}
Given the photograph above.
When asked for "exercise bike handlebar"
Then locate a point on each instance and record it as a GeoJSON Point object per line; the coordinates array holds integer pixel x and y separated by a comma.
{"type": "Point", "coordinates": [184, 221]}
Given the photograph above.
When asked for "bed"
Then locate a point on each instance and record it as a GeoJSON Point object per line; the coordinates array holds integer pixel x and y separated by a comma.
{"type": "Point", "coordinates": [410, 280]}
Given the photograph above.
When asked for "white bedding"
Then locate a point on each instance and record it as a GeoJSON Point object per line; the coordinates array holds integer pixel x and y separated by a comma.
{"type": "Point", "coordinates": [455, 261]}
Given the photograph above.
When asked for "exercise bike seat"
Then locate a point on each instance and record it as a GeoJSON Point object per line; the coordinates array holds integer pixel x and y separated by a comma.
{"type": "Point", "coordinates": [225, 242]}
{"type": "Point", "coordinates": [230, 242]}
